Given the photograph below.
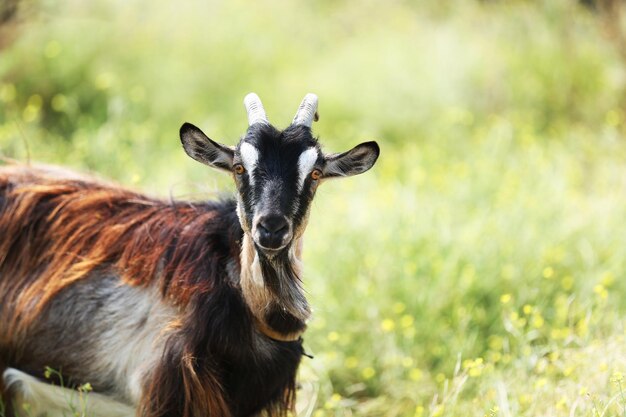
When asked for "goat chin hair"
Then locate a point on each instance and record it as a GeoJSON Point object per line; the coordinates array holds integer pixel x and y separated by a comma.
{"type": "Point", "coordinates": [41, 398]}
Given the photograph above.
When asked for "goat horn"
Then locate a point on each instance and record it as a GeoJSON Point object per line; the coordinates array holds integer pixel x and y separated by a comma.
{"type": "Point", "coordinates": [307, 112]}
{"type": "Point", "coordinates": [254, 107]}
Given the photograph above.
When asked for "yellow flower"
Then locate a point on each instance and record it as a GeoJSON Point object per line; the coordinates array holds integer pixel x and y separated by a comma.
{"type": "Point", "coordinates": [560, 333]}
{"type": "Point", "coordinates": [368, 373]}
{"type": "Point", "coordinates": [416, 374]}
{"type": "Point", "coordinates": [333, 336]}
{"type": "Point", "coordinates": [607, 279]}
{"type": "Point", "coordinates": [333, 401]}
{"type": "Point", "coordinates": [474, 366]}
{"type": "Point", "coordinates": [493, 411]}
{"type": "Point", "coordinates": [407, 321]}
{"type": "Point", "coordinates": [86, 387]}
{"type": "Point", "coordinates": [351, 362]}
{"type": "Point", "coordinates": [398, 307]}
{"type": "Point", "coordinates": [601, 291]}
{"type": "Point", "coordinates": [538, 321]}
{"type": "Point", "coordinates": [548, 272]}
{"type": "Point", "coordinates": [388, 325]}
{"type": "Point", "coordinates": [567, 282]}
{"type": "Point", "coordinates": [505, 298]}
{"type": "Point", "coordinates": [31, 111]}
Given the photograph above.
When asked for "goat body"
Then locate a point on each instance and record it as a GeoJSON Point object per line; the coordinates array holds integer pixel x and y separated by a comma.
{"type": "Point", "coordinates": [139, 297]}
{"type": "Point", "coordinates": [167, 308]}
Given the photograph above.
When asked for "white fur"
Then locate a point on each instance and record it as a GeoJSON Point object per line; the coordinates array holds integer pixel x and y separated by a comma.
{"type": "Point", "coordinates": [306, 161]}
{"type": "Point", "coordinates": [125, 347]}
{"type": "Point", "coordinates": [131, 350]}
{"type": "Point", "coordinates": [250, 158]}
{"type": "Point", "coordinates": [41, 398]}
{"type": "Point", "coordinates": [257, 274]}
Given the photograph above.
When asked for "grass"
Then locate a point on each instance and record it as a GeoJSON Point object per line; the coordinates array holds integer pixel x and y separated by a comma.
{"type": "Point", "coordinates": [478, 270]}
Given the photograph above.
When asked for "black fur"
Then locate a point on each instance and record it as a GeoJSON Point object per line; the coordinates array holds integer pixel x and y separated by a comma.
{"type": "Point", "coordinates": [218, 330]}
{"type": "Point", "coordinates": [279, 168]}
{"type": "Point", "coordinates": [216, 359]}
{"type": "Point", "coordinates": [217, 333]}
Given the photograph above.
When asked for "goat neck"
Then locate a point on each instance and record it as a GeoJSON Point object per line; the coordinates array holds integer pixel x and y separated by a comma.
{"type": "Point", "coordinates": [263, 300]}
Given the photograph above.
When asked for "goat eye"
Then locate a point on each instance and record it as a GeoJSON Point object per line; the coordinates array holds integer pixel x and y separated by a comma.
{"type": "Point", "coordinates": [316, 174]}
{"type": "Point", "coordinates": [239, 169]}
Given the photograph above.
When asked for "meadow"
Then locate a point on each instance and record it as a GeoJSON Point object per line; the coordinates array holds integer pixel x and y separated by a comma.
{"type": "Point", "coordinates": [478, 270]}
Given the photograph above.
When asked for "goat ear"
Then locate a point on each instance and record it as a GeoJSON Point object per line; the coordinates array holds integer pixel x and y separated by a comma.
{"type": "Point", "coordinates": [202, 149]}
{"type": "Point", "coordinates": [356, 161]}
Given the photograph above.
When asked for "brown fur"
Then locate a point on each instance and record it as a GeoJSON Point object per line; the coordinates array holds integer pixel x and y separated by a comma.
{"type": "Point", "coordinates": [57, 230]}
{"type": "Point", "coordinates": [65, 229]}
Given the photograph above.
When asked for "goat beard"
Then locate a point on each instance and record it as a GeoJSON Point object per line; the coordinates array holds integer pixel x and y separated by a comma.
{"type": "Point", "coordinates": [282, 279]}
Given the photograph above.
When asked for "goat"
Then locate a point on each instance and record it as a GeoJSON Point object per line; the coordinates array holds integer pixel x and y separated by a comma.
{"type": "Point", "coordinates": [165, 308]}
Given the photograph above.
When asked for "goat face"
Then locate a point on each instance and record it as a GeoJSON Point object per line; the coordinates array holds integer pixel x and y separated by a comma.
{"type": "Point", "coordinates": [276, 172]}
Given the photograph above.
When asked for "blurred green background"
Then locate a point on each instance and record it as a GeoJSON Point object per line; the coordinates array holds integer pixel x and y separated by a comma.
{"type": "Point", "coordinates": [477, 270]}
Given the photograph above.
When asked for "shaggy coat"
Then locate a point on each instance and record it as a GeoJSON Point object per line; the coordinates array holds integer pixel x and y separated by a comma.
{"type": "Point", "coordinates": [167, 308]}
{"type": "Point", "coordinates": [76, 239]}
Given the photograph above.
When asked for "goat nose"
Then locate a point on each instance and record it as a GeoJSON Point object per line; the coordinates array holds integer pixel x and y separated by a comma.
{"type": "Point", "coordinates": [272, 230]}
{"type": "Point", "coordinates": [273, 224]}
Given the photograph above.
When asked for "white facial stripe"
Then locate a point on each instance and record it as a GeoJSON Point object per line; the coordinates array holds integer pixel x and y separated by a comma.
{"type": "Point", "coordinates": [305, 165]}
{"type": "Point", "coordinates": [249, 157]}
